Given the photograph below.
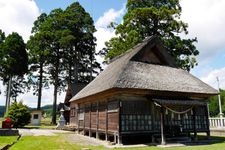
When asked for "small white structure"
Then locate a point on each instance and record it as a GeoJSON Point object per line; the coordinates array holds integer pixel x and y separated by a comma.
{"type": "Point", "coordinates": [62, 120]}
{"type": "Point", "coordinates": [36, 117]}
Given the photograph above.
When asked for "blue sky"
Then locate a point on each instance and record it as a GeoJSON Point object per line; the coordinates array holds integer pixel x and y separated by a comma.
{"type": "Point", "coordinates": [206, 19]}
{"type": "Point", "coordinates": [95, 7]}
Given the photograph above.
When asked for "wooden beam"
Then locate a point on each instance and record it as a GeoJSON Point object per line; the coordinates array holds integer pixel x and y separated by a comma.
{"type": "Point", "coordinates": [163, 141]}
{"type": "Point", "coordinates": [84, 109]}
{"type": "Point", "coordinates": [117, 91]}
{"type": "Point", "coordinates": [194, 124]}
{"type": "Point", "coordinates": [78, 123]}
{"type": "Point", "coordinates": [207, 121]}
{"type": "Point", "coordinates": [90, 119]}
{"type": "Point", "coordinates": [106, 121]}
{"type": "Point", "coordinates": [119, 138]}
{"type": "Point", "coordinates": [97, 120]}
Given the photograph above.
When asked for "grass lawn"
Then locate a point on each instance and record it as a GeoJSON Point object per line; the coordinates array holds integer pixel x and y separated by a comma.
{"type": "Point", "coordinates": [59, 142]}
{"type": "Point", "coordinates": [47, 142]}
{"type": "Point", "coordinates": [4, 140]}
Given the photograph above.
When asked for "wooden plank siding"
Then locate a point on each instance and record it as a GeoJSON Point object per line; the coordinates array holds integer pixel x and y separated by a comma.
{"type": "Point", "coordinates": [73, 114]}
{"type": "Point", "coordinates": [113, 121]}
{"type": "Point", "coordinates": [113, 115]}
{"type": "Point", "coordinates": [87, 123]}
{"type": "Point", "coordinates": [100, 116]}
{"type": "Point", "coordinates": [94, 116]}
{"type": "Point", "coordinates": [125, 115]}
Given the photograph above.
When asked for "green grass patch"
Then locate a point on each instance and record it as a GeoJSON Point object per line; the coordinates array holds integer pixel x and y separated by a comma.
{"type": "Point", "coordinates": [4, 140]}
{"type": "Point", "coordinates": [47, 142]}
{"type": "Point", "coordinates": [60, 142]}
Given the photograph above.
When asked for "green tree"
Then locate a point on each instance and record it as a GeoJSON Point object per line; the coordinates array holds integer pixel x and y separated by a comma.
{"type": "Point", "coordinates": [79, 45]}
{"type": "Point", "coordinates": [71, 48]}
{"type": "Point", "coordinates": [19, 113]}
{"type": "Point", "coordinates": [214, 104]}
{"type": "Point", "coordinates": [154, 17]}
{"type": "Point", "coordinates": [38, 46]}
{"type": "Point", "coordinates": [54, 26]}
{"type": "Point", "coordinates": [2, 36]}
{"type": "Point", "coordinates": [14, 61]}
{"type": "Point", "coordinates": [63, 43]}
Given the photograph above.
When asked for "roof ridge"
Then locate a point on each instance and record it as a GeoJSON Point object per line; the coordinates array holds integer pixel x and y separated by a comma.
{"type": "Point", "coordinates": [139, 46]}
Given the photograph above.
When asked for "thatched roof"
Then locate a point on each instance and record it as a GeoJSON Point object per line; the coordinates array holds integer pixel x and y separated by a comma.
{"type": "Point", "coordinates": [147, 66]}
{"type": "Point", "coordinates": [72, 90]}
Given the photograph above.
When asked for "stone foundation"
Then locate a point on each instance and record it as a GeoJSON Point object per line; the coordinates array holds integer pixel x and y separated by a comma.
{"type": "Point", "coordinates": [9, 132]}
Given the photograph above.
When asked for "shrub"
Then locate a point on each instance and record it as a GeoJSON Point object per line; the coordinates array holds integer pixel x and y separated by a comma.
{"type": "Point", "coordinates": [19, 113]}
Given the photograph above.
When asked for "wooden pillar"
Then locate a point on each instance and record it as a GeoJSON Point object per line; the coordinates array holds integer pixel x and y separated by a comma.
{"type": "Point", "coordinates": [194, 124]}
{"type": "Point", "coordinates": [90, 107]}
{"type": "Point", "coordinates": [119, 137]}
{"type": "Point", "coordinates": [163, 140]}
{"type": "Point", "coordinates": [97, 120]}
{"type": "Point", "coordinates": [84, 109]}
{"type": "Point", "coordinates": [153, 109]}
{"type": "Point", "coordinates": [115, 137]}
{"type": "Point", "coordinates": [207, 121]}
{"type": "Point", "coordinates": [106, 120]}
{"type": "Point", "coordinates": [78, 122]}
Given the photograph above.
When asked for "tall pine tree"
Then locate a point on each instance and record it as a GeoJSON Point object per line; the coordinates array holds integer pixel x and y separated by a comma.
{"type": "Point", "coordinates": [154, 17]}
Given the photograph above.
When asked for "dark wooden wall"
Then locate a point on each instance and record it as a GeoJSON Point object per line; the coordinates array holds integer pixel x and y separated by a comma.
{"type": "Point", "coordinates": [131, 115]}
{"type": "Point", "coordinates": [98, 116]}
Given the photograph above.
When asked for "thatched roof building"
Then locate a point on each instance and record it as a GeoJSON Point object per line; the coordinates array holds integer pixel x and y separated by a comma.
{"type": "Point", "coordinates": [142, 92]}
{"type": "Point", "coordinates": [155, 72]}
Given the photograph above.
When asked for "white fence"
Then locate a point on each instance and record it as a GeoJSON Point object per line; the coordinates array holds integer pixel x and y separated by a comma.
{"type": "Point", "coordinates": [216, 122]}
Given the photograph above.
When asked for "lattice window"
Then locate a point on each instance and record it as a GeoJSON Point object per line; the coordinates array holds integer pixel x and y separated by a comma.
{"type": "Point", "coordinates": [136, 122]}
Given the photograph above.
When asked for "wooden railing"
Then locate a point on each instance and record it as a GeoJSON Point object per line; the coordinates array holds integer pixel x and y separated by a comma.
{"type": "Point", "coordinates": [216, 122]}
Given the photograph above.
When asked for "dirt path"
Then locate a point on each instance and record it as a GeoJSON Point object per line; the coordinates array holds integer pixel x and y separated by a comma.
{"type": "Point", "coordinates": [41, 132]}
{"type": "Point", "coordinates": [69, 136]}
{"type": "Point", "coordinates": [84, 140]}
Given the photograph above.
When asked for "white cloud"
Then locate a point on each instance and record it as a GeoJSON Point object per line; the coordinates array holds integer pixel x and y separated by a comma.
{"type": "Point", "coordinates": [206, 19]}
{"type": "Point", "coordinates": [210, 78]}
{"type": "Point", "coordinates": [47, 97]}
{"type": "Point", "coordinates": [18, 16]}
{"type": "Point", "coordinates": [104, 33]}
{"type": "Point", "coordinates": [109, 16]}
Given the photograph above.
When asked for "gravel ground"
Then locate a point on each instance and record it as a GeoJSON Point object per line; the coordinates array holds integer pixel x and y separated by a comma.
{"type": "Point", "coordinates": [72, 137]}
{"type": "Point", "coordinates": [40, 132]}
{"type": "Point", "coordinates": [84, 140]}
{"type": "Point", "coordinates": [69, 136]}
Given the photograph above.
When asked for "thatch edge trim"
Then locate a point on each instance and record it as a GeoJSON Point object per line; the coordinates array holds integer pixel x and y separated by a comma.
{"type": "Point", "coordinates": [121, 91]}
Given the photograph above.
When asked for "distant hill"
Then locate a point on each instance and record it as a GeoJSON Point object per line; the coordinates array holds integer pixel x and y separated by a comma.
{"type": "Point", "coordinates": [47, 109]}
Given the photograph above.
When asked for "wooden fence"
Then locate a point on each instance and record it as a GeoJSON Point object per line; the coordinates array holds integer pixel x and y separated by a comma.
{"type": "Point", "coordinates": [217, 122]}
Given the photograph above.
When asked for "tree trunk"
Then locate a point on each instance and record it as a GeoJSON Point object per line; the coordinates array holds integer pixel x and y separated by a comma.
{"type": "Point", "coordinates": [6, 100]}
{"type": "Point", "coordinates": [75, 71]}
{"type": "Point", "coordinates": [8, 95]}
{"type": "Point", "coordinates": [40, 87]}
{"type": "Point", "coordinates": [91, 58]}
{"type": "Point", "coordinates": [54, 103]}
{"type": "Point", "coordinates": [56, 79]}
